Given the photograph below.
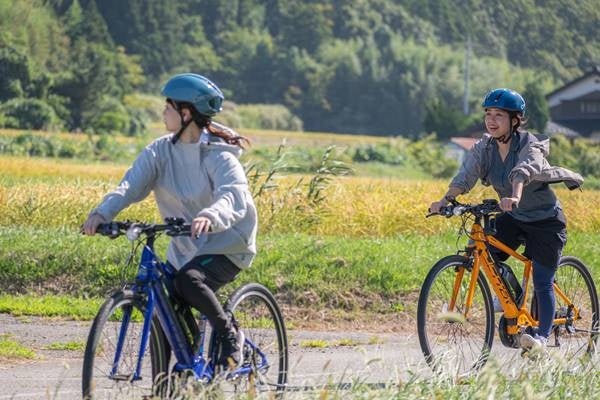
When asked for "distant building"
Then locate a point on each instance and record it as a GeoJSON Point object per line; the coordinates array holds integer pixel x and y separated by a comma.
{"type": "Point", "coordinates": [458, 147]}
{"type": "Point", "coordinates": [576, 106]}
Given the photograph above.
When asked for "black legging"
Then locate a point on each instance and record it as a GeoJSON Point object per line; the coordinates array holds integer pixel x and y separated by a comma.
{"type": "Point", "coordinates": [197, 282]}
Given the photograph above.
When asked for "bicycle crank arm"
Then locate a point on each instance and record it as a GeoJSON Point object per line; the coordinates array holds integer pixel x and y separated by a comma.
{"type": "Point", "coordinates": [124, 378]}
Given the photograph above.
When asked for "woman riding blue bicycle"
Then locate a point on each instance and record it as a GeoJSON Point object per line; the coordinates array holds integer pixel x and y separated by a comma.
{"type": "Point", "coordinates": [195, 174]}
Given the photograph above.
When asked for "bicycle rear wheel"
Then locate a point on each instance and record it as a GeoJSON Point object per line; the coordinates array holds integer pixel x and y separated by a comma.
{"type": "Point", "coordinates": [575, 281]}
{"type": "Point", "coordinates": [454, 340]}
{"type": "Point", "coordinates": [99, 380]}
{"type": "Point", "coordinates": [265, 350]}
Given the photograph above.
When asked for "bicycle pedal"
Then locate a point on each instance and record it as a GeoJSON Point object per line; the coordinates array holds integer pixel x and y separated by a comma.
{"type": "Point", "coordinates": [524, 353]}
{"type": "Point", "coordinates": [124, 378]}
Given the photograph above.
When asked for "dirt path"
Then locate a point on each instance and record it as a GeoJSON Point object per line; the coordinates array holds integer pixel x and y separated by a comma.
{"type": "Point", "coordinates": [376, 358]}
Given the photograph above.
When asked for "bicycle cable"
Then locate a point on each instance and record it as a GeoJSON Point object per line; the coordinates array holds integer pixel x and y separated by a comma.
{"type": "Point", "coordinates": [124, 276]}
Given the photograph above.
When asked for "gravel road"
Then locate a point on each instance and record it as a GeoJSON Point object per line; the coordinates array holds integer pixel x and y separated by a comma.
{"type": "Point", "coordinates": [56, 374]}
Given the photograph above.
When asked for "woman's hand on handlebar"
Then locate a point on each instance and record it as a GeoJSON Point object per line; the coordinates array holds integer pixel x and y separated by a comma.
{"type": "Point", "coordinates": [436, 206]}
{"type": "Point", "coordinates": [507, 203]}
{"type": "Point", "coordinates": [92, 222]}
{"type": "Point", "coordinates": [200, 225]}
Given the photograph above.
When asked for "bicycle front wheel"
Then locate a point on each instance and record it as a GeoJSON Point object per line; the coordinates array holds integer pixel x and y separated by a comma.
{"type": "Point", "coordinates": [455, 339]}
{"type": "Point", "coordinates": [117, 329]}
{"type": "Point", "coordinates": [265, 350]}
{"type": "Point", "coordinates": [574, 281]}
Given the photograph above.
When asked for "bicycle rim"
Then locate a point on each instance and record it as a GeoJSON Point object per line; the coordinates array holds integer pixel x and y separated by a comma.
{"type": "Point", "coordinates": [574, 280]}
{"type": "Point", "coordinates": [453, 341]}
{"type": "Point", "coordinates": [99, 381]}
{"type": "Point", "coordinates": [265, 349]}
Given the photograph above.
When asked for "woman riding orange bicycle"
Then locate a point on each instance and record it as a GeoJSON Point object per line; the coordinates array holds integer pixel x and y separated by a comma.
{"type": "Point", "coordinates": [514, 163]}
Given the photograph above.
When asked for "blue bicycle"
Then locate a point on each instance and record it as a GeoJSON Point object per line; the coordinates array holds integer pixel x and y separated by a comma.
{"type": "Point", "coordinates": [139, 321]}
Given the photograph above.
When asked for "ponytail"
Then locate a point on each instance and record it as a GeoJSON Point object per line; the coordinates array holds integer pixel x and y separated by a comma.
{"type": "Point", "coordinates": [227, 134]}
{"type": "Point", "coordinates": [219, 130]}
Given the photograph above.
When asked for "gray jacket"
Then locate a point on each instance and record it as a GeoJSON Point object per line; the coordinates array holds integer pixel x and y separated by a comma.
{"type": "Point", "coordinates": [191, 180]}
{"type": "Point", "coordinates": [531, 165]}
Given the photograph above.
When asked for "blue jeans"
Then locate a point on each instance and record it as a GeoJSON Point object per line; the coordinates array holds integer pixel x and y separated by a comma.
{"type": "Point", "coordinates": [543, 281]}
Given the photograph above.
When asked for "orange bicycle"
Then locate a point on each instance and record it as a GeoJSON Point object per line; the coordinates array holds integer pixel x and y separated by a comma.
{"type": "Point", "coordinates": [455, 314]}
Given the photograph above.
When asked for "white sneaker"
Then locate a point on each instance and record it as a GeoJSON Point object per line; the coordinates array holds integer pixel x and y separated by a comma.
{"type": "Point", "coordinates": [497, 305]}
{"type": "Point", "coordinates": [528, 342]}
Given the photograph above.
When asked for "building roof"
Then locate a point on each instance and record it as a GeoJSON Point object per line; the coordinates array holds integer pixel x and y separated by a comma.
{"type": "Point", "coordinates": [464, 142]}
{"type": "Point", "coordinates": [571, 86]}
{"type": "Point", "coordinates": [552, 128]}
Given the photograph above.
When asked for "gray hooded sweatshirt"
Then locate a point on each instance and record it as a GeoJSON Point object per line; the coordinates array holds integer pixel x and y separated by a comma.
{"type": "Point", "coordinates": [191, 180]}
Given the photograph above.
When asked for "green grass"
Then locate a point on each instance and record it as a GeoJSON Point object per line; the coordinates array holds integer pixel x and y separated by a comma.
{"type": "Point", "coordinates": [340, 273]}
{"type": "Point", "coordinates": [71, 346]}
{"type": "Point", "coordinates": [378, 169]}
{"type": "Point", "coordinates": [315, 344]}
{"type": "Point", "coordinates": [347, 343]}
{"type": "Point", "coordinates": [11, 349]}
{"type": "Point", "coordinates": [336, 271]}
{"type": "Point", "coordinates": [50, 306]}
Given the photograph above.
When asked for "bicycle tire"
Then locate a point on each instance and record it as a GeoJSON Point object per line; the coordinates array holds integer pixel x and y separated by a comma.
{"type": "Point", "coordinates": [451, 343]}
{"type": "Point", "coordinates": [257, 314]}
{"type": "Point", "coordinates": [575, 280]}
{"type": "Point", "coordinates": [100, 351]}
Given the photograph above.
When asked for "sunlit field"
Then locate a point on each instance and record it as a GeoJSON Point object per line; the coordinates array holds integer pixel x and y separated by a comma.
{"type": "Point", "coordinates": [56, 193]}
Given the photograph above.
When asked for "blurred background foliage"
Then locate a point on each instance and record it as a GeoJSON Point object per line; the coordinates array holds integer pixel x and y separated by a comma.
{"type": "Point", "coordinates": [356, 66]}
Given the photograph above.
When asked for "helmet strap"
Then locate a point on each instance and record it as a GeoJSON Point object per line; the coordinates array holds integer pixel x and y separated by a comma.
{"type": "Point", "coordinates": [504, 138]}
{"type": "Point", "coordinates": [184, 125]}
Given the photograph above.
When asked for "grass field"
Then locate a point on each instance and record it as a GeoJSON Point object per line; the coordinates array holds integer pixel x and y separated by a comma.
{"type": "Point", "coordinates": [359, 254]}
{"type": "Point", "coordinates": [367, 245]}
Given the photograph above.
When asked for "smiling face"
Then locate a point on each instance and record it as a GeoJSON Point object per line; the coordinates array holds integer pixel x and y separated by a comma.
{"type": "Point", "coordinates": [497, 122]}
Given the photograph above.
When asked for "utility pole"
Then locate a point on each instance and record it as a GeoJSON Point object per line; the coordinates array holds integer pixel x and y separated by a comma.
{"type": "Point", "coordinates": [466, 76]}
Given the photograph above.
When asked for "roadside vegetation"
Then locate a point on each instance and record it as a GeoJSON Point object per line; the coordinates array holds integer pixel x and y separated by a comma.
{"type": "Point", "coordinates": [342, 231]}
{"type": "Point", "coordinates": [349, 244]}
{"type": "Point", "coordinates": [11, 349]}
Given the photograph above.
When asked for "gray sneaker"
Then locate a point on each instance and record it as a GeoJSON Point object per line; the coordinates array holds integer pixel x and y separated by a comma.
{"type": "Point", "coordinates": [535, 343]}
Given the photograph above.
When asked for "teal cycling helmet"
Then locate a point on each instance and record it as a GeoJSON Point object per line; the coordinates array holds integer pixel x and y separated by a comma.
{"type": "Point", "coordinates": [504, 99]}
{"type": "Point", "coordinates": [197, 90]}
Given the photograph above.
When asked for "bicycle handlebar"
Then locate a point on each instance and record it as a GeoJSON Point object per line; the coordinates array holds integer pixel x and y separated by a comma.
{"type": "Point", "coordinates": [487, 207]}
{"type": "Point", "coordinates": [133, 230]}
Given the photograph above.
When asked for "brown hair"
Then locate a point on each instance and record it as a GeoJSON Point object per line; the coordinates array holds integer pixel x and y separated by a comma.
{"type": "Point", "coordinates": [521, 121]}
{"type": "Point", "coordinates": [219, 130]}
{"type": "Point", "coordinates": [227, 134]}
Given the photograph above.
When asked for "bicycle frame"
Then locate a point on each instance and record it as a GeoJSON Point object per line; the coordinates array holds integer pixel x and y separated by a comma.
{"type": "Point", "coordinates": [516, 316]}
{"type": "Point", "coordinates": [149, 283]}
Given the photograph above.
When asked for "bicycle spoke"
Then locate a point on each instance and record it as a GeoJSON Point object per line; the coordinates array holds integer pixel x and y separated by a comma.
{"type": "Point", "coordinates": [575, 282]}
{"type": "Point", "coordinates": [452, 340]}
{"type": "Point", "coordinates": [100, 377]}
{"type": "Point", "coordinates": [265, 349]}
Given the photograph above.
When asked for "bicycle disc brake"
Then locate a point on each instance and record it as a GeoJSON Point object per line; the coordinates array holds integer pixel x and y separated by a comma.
{"type": "Point", "coordinates": [506, 339]}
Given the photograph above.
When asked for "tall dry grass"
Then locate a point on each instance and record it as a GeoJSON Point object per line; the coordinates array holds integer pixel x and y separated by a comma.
{"type": "Point", "coordinates": [39, 192]}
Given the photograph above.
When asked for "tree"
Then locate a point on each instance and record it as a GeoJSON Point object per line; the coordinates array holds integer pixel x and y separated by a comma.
{"type": "Point", "coordinates": [443, 120]}
{"type": "Point", "coordinates": [15, 72]}
{"type": "Point", "coordinates": [536, 110]}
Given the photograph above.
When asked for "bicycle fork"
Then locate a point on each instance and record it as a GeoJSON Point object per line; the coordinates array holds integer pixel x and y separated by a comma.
{"type": "Point", "coordinates": [460, 272]}
{"type": "Point", "coordinates": [143, 342]}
